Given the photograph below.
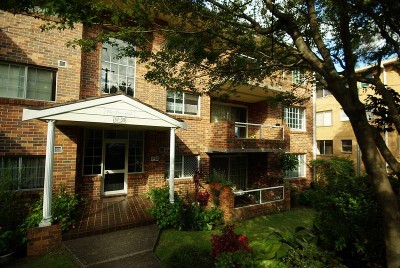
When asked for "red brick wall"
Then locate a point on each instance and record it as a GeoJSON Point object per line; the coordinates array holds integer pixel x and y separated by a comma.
{"type": "Point", "coordinates": [43, 239]}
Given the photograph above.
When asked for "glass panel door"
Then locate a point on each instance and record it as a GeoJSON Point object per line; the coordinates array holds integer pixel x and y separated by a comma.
{"type": "Point", "coordinates": [115, 167]}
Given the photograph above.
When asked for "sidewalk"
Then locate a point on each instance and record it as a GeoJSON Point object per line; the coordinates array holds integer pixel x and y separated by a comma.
{"type": "Point", "coordinates": [127, 248]}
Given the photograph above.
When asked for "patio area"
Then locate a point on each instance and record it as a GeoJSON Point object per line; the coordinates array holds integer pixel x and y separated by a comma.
{"type": "Point", "coordinates": [109, 215]}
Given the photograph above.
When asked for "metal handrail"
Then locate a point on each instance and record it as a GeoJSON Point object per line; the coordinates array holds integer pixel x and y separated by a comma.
{"type": "Point", "coordinates": [243, 124]}
{"type": "Point", "coordinates": [241, 192]}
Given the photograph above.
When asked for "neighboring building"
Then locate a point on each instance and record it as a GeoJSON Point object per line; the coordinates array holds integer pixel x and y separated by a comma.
{"type": "Point", "coordinates": [334, 133]}
{"type": "Point", "coordinates": [108, 143]}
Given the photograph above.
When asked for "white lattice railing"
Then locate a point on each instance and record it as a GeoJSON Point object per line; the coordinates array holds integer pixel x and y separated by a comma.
{"type": "Point", "coordinates": [259, 131]}
{"type": "Point", "coordinates": [259, 196]}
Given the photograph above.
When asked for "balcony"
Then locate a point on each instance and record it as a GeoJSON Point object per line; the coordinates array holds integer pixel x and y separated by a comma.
{"type": "Point", "coordinates": [236, 137]}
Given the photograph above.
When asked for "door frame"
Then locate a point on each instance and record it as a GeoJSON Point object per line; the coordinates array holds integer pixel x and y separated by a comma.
{"type": "Point", "coordinates": [125, 170]}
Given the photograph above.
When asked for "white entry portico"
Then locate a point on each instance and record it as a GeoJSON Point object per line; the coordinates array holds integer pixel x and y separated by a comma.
{"type": "Point", "coordinates": [111, 110]}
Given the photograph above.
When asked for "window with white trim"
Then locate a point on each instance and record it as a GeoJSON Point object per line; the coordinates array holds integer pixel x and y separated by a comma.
{"type": "Point", "coordinates": [117, 73]}
{"type": "Point", "coordinates": [324, 118]}
{"type": "Point", "coordinates": [300, 171]}
{"type": "Point", "coordinates": [182, 103]}
{"type": "Point", "coordinates": [323, 92]}
{"type": "Point", "coordinates": [27, 82]}
{"type": "Point", "coordinates": [298, 76]}
{"type": "Point", "coordinates": [325, 147]}
{"type": "Point", "coordinates": [343, 115]}
{"type": "Point", "coordinates": [347, 146]}
{"type": "Point", "coordinates": [23, 172]}
{"type": "Point", "coordinates": [185, 166]}
{"type": "Point", "coordinates": [295, 118]}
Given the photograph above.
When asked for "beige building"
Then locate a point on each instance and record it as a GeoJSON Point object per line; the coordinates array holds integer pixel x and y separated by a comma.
{"type": "Point", "coordinates": [334, 134]}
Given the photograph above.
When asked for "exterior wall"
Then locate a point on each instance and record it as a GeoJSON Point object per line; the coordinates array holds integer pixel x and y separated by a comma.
{"type": "Point", "coordinates": [342, 130]}
{"type": "Point", "coordinates": [23, 42]}
{"type": "Point", "coordinates": [43, 239]}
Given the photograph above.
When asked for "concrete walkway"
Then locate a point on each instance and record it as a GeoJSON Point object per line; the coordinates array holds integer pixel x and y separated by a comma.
{"type": "Point", "coordinates": [127, 248]}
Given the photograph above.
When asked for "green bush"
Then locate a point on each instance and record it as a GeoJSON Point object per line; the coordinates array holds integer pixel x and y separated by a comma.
{"type": "Point", "coordinates": [63, 210]}
{"type": "Point", "coordinates": [188, 256]}
{"type": "Point", "coordinates": [307, 197]}
{"type": "Point", "coordinates": [240, 258]}
{"type": "Point", "coordinates": [181, 215]}
{"type": "Point", "coordinates": [347, 219]}
{"type": "Point", "coordinates": [166, 214]}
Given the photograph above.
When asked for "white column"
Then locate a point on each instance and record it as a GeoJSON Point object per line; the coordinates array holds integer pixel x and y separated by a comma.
{"type": "Point", "coordinates": [48, 175]}
{"type": "Point", "coordinates": [171, 165]}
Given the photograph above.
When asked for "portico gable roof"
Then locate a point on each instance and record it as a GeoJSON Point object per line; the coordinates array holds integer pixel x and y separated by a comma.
{"type": "Point", "coordinates": [111, 109]}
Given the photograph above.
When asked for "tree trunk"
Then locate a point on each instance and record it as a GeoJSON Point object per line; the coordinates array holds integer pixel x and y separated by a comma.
{"type": "Point", "coordinates": [385, 196]}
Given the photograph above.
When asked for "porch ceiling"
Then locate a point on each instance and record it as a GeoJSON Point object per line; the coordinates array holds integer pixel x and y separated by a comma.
{"type": "Point", "coordinates": [118, 110]}
{"type": "Point", "coordinates": [247, 92]}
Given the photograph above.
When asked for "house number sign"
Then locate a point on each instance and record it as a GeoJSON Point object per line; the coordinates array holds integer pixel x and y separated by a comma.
{"type": "Point", "coordinates": [119, 119]}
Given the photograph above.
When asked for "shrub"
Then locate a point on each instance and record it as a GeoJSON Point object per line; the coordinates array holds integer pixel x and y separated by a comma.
{"type": "Point", "coordinates": [166, 214]}
{"type": "Point", "coordinates": [347, 215]}
{"type": "Point", "coordinates": [63, 210]}
{"type": "Point", "coordinates": [188, 256]}
{"type": "Point", "coordinates": [190, 216]}
{"type": "Point", "coordinates": [307, 197]}
{"type": "Point", "coordinates": [6, 242]}
{"type": "Point", "coordinates": [240, 258]}
{"type": "Point", "coordinates": [228, 241]}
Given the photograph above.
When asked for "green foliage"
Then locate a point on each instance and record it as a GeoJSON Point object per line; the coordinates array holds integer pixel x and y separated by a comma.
{"type": "Point", "coordinates": [307, 197]}
{"type": "Point", "coordinates": [167, 214]}
{"type": "Point", "coordinates": [6, 241]}
{"type": "Point", "coordinates": [311, 257]}
{"type": "Point", "coordinates": [358, 236]}
{"type": "Point", "coordinates": [278, 242]}
{"type": "Point", "coordinates": [188, 256]}
{"type": "Point", "coordinates": [333, 168]}
{"type": "Point", "coordinates": [179, 215]}
{"type": "Point", "coordinates": [219, 176]}
{"type": "Point", "coordinates": [63, 210]}
{"type": "Point", "coordinates": [240, 258]}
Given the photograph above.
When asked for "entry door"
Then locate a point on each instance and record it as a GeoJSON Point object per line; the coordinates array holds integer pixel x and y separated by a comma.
{"type": "Point", "coordinates": [115, 167]}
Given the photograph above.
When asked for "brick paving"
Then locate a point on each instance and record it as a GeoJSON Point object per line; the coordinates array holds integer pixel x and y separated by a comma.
{"type": "Point", "coordinates": [110, 215]}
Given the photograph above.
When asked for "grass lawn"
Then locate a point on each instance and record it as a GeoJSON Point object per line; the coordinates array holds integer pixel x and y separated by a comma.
{"type": "Point", "coordinates": [192, 249]}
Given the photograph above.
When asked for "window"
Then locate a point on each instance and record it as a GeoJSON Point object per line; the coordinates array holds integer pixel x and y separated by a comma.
{"type": "Point", "coordinates": [117, 73]}
{"type": "Point", "coordinates": [232, 168]}
{"type": "Point", "coordinates": [347, 146]}
{"type": "Point", "coordinates": [224, 112]}
{"type": "Point", "coordinates": [301, 168]}
{"type": "Point", "coordinates": [295, 118]}
{"type": "Point", "coordinates": [324, 118]}
{"type": "Point", "coordinates": [298, 76]}
{"type": "Point", "coordinates": [343, 116]}
{"type": "Point", "coordinates": [27, 82]}
{"type": "Point", "coordinates": [325, 147]}
{"type": "Point", "coordinates": [182, 103]}
{"type": "Point", "coordinates": [26, 171]}
{"type": "Point", "coordinates": [322, 92]}
{"type": "Point", "coordinates": [93, 149]}
{"type": "Point", "coordinates": [185, 166]}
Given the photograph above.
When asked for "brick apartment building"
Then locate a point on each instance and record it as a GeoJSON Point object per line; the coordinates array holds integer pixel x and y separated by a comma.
{"type": "Point", "coordinates": [110, 132]}
{"type": "Point", "coordinates": [334, 133]}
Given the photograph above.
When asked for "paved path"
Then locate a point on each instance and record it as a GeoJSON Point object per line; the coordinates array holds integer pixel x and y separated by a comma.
{"type": "Point", "coordinates": [127, 248]}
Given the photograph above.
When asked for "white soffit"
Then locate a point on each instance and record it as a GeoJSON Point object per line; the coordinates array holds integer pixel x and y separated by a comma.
{"type": "Point", "coordinates": [116, 109]}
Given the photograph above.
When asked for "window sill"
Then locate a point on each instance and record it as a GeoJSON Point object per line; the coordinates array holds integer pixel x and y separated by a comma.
{"type": "Point", "coordinates": [24, 101]}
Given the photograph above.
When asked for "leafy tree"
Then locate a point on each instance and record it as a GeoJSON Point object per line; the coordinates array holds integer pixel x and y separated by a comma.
{"type": "Point", "coordinates": [217, 42]}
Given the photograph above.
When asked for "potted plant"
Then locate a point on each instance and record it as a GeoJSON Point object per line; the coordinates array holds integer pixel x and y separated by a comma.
{"type": "Point", "coordinates": [6, 248]}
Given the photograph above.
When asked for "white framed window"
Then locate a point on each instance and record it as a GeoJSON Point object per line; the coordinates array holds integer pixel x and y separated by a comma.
{"type": "Point", "coordinates": [24, 172]}
{"type": "Point", "coordinates": [295, 118]}
{"type": "Point", "coordinates": [324, 118]}
{"type": "Point", "coordinates": [323, 92]}
{"type": "Point", "coordinates": [185, 166]}
{"type": "Point", "coordinates": [300, 171]}
{"type": "Point", "coordinates": [325, 147]}
{"type": "Point", "coordinates": [183, 103]}
{"type": "Point", "coordinates": [298, 76]}
{"type": "Point", "coordinates": [347, 146]}
{"type": "Point", "coordinates": [27, 82]}
{"type": "Point", "coordinates": [117, 73]}
{"type": "Point", "coordinates": [343, 115]}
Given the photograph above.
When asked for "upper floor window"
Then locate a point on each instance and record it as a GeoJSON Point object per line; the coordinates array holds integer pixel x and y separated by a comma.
{"type": "Point", "coordinates": [295, 118]}
{"type": "Point", "coordinates": [27, 82]}
{"type": "Point", "coordinates": [22, 172]}
{"type": "Point", "coordinates": [182, 103]}
{"type": "Point", "coordinates": [323, 92]}
{"type": "Point", "coordinates": [347, 146]}
{"type": "Point", "coordinates": [300, 171]}
{"type": "Point", "coordinates": [324, 118]}
{"type": "Point", "coordinates": [117, 73]}
{"type": "Point", "coordinates": [325, 147]}
{"type": "Point", "coordinates": [298, 76]}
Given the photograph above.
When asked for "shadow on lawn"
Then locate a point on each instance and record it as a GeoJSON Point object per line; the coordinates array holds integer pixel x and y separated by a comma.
{"type": "Point", "coordinates": [189, 256]}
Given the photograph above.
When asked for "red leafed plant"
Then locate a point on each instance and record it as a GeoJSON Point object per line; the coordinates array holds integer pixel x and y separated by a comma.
{"type": "Point", "coordinates": [202, 197]}
{"type": "Point", "coordinates": [228, 241]}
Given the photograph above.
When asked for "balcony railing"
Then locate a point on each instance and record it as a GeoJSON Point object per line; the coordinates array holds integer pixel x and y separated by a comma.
{"type": "Point", "coordinates": [259, 196]}
{"type": "Point", "coordinates": [259, 131]}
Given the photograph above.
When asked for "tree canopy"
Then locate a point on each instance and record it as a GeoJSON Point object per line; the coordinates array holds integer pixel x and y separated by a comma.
{"type": "Point", "coordinates": [211, 43]}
